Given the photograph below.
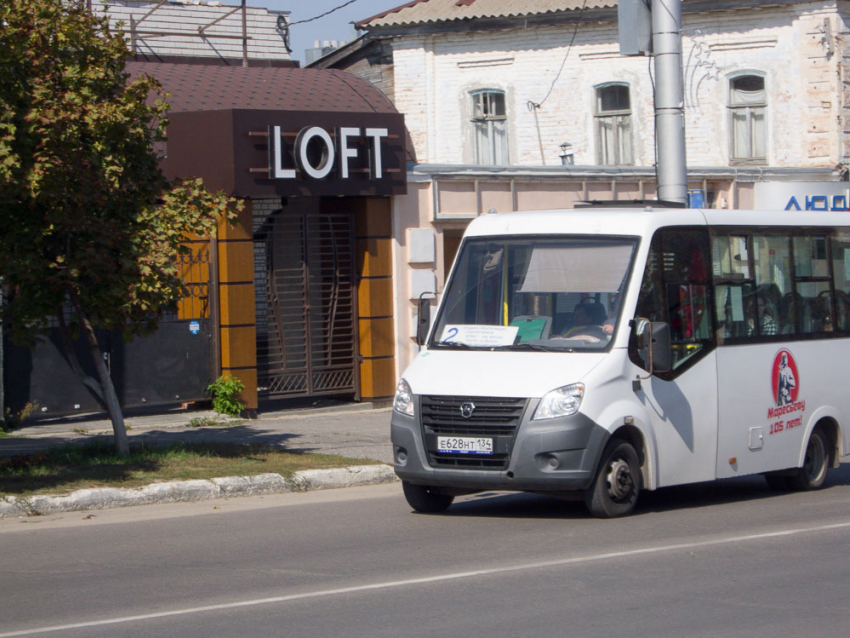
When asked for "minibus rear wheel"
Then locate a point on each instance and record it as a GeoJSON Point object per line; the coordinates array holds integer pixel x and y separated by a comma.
{"type": "Point", "coordinates": [425, 499]}
{"type": "Point", "coordinates": [813, 473]}
{"type": "Point", "coordinates": [616, 487]}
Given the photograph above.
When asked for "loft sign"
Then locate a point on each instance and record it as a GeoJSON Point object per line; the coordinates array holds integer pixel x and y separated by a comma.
{"type": "Point", "coordinates": [316, 154]}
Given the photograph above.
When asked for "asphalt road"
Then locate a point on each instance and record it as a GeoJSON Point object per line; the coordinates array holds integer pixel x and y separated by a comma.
{"type": "Point", "coordinates": [723, 559]}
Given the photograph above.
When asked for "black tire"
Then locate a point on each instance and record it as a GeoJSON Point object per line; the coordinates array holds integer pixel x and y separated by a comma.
{"type": "Point", "coordinates": [616, 488]}
{"type": "Point", "coordinates": [813, 473]}
{"type": "Point", "coordinates": [425, 499]}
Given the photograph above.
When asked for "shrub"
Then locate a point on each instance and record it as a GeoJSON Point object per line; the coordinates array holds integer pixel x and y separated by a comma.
{"type": "Point", "coordinates": [225, 393]}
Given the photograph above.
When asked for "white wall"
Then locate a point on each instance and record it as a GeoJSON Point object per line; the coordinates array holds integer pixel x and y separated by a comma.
{"type": "Point", "coordinates": [789, 45]}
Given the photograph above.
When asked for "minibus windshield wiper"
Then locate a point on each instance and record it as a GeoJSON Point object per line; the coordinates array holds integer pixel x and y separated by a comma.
{"type": "Point", "coordinates": [453, 344]}
{"type": "Point", "coordinates": [534, 346]}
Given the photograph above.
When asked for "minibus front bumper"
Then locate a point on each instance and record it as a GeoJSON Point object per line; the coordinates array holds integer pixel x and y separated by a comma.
{"type": "Point", "coordinates": [553, 455]}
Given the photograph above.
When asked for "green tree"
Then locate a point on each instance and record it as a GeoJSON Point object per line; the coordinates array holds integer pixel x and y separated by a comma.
{"type": "Point", "coordinates": [89, 226]}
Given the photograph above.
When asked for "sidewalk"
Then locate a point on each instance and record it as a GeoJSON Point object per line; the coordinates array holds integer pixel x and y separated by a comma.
{"type": "Point", "coordinates": [353, 430]}
{"type": "Point", "coordinates": [357, 430]}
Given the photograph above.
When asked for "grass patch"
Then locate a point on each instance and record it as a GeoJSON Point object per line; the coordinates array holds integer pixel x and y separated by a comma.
{"type": "Point", "coordinates": [95, 464]}
{"type": "Point", "coordinates": [212, 422]}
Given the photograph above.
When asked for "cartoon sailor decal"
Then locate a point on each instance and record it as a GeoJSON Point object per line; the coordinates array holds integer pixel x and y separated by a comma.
{"type": "Point", "coordinates": [784, 379]}
{"type": "Point", "coordinates": [786, 411]}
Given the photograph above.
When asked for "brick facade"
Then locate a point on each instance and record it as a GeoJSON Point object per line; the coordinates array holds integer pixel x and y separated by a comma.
{"type": "Point", "coordinates": [799, 49]}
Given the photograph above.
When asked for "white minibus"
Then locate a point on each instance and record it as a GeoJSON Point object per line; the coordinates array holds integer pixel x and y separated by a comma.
{"type": "Point", "coordinates": [598, 352]}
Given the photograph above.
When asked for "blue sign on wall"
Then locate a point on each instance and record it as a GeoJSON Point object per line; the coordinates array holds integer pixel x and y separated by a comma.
{"type": "Point", "coordinates": [194, 327]}
{"type": "Point", "coordinates": [696, 199]}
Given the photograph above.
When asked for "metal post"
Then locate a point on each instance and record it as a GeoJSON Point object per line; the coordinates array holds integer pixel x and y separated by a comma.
{"type": "Point", "coordinates": [244, 34]}
{"type": "Point", "coordinates": [215, 306]}
{"type": "Point", "coordinates": [669, 100]}
{"type": "Point", "coordinates": [132, 34]}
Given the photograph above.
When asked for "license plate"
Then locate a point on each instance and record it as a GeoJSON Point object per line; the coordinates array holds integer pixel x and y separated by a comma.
{"type": "Point", "coordinates": [464, 445]}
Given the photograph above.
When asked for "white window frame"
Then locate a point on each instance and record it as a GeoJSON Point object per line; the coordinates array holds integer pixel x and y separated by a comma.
{"type": "Point", "coordinates": [496, 146]}
{"type": "Point", "coordinates": [614, 116]}
{"type": "Point", "coordinates": [749, 110]}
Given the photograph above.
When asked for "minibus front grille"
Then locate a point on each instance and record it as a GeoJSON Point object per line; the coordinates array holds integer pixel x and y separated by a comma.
{"type": "Point", "coordinates": [494, 417]}
{"type": "Point", "coordinates": [491, 416]}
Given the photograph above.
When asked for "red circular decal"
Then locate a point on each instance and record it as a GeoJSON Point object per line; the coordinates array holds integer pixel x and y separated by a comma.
{"type": "Point", "coordinates": [785, 379]}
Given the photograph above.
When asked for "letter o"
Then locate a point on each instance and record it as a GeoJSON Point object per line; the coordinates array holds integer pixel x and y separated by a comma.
{"type": "Point", "coordinates": [328, 153]}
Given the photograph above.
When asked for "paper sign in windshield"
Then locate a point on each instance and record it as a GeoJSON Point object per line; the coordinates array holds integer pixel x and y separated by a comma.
{"type": "Point", "coordinates": [484, 336]}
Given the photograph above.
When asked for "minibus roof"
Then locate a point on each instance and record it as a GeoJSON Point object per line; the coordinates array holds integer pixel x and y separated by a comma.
{"type": "Point", "coordinates": [640, 222]}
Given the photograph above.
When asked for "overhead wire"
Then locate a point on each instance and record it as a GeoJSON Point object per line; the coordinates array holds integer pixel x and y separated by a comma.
{"type": "Point", "coordinates": [537, 105]}
{"type": "Point", "coordinates": [326, 13]}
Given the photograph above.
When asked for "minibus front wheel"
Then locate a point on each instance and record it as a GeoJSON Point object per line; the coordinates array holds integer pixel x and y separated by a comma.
{"type": "Point", "coordinates": [425, 499]}
{"type": "Point", "coordinates": [616, 487]}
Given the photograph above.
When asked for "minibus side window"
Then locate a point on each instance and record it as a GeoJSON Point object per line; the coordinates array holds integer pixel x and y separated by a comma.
{"type": "Point", "coordinates": [773, 305]}
{"type": "Point", "coordinates": [754, 294]}
{"type": "Point", "coordinates": [841, 276]}
{"type": "Point", "coordinates": [813, 297]}
{"type": "Point", "coordinates": [733, 286]}
{"type": "Point", "coordinates": [685, 273]}
{"type": "Point", "coordinates": [675, 289]}
{"type": "Point", "coordinates": [774, 285]}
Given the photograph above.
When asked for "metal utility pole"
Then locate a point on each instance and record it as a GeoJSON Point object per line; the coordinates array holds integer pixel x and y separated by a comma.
{"type": "Point", "coordinates": [669, 101]}
{"type": "Point", "coordinates": [244, 33]}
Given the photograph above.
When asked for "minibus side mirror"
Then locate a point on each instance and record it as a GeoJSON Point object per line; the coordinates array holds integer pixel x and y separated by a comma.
{"type": "Point", "coordinates": [424, 321]}
{"type": "Point", "coordinates": [662, 351]}
{"type": "Point", "coordinates": [653, 344]}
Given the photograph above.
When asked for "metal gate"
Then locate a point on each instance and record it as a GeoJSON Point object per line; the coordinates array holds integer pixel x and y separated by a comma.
{"type": "Point", "coordinates": [168, 367]}
{"type": "Point", "coordinates": [307, 329]}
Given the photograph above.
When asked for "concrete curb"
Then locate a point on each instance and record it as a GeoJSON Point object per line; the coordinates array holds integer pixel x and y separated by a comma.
{"type": "Point", "coordinates": [198, 490]}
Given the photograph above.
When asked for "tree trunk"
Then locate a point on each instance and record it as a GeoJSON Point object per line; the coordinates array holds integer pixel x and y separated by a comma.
{"type": "Point", "coordinates": [91, 384]}
{"type": "Point", "coordinates": [122, 445]}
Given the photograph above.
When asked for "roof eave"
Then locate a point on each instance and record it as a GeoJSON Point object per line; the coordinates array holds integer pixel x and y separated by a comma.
{"type": "Point", "coordinates": [554, 17]}
{"type": "Point", "coordinates": [491, 24]}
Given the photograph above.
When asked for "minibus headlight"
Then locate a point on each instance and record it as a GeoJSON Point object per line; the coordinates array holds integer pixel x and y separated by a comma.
{"type": "Point", "coordinates": [560, 402]}
{"type": "Point", "coordinates": [403, 401]}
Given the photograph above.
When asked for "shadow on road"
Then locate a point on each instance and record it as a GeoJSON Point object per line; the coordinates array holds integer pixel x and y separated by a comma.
{"type": "Point", "coordinates": [697, 495]}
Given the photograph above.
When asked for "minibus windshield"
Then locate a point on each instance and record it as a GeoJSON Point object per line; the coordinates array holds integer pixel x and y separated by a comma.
{"type": "Point", "coordinates": [534, 293]}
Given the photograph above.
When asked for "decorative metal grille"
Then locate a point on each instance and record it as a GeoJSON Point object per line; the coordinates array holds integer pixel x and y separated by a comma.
{"type": "Point", "coordinates": [306, 338]}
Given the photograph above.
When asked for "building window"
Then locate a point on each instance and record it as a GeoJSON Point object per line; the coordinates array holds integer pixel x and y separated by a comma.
{"type": "Point", "coordinates": [747, 106]}
{"type": "Point", "coordinates": [490, 124]}
{"type": "Point", "coordinates": [614, 125]}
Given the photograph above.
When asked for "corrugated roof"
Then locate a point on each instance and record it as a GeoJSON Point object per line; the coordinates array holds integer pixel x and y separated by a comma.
{"type": "Point", "coordinates": [425, 11]}
{"type": "Point", "coordinates": [203, 87]}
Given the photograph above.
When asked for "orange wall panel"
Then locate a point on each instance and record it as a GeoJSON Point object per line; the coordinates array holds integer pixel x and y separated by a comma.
{"type": "Point", "coordinates": [244, 228]}
{"type": "Point", "coordinates": [375, 220]}
{"type": "Point", "coordinates": [374, 257]}
{"type": "Point", "coordinates": [375, 297]}
{"type": "Point", "coordinates": [377, 378]}
{"type": "Point", "coordinates": [238, 347]}
{"type": "Point", "coordinates": [236, 261]}
{"type": "Point", "coordinates": [377, 338]}
{"type": "Point", "coordinates": [237, 304]}
{"type": "Point", "coordinates": [249, 379]}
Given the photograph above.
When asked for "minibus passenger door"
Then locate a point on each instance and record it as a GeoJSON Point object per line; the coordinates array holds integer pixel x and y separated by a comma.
{"type": "Point", "coordinates": [673, 331]}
